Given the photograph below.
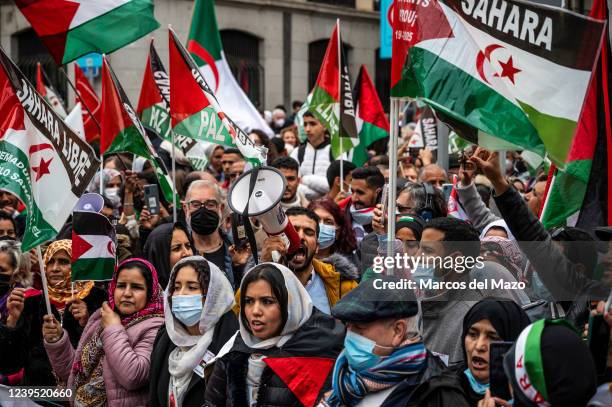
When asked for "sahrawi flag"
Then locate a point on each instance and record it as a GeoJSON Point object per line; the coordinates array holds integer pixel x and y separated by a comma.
{"type": "Point", "coordinates": [372, 122]}
{"type": "Point", "coordinates": [509, 69]}
{"type": "Point", "coordinates": [332, 97]}
{"type": "Point", "coordinates": [582, 194]}
{"type": "Point", "coordinates": [90, 101]}
{"type": "Point", "coordinates": [42, 161]}
{"type": "Point", "coordinates": [195, 110]}
{"type": "Point", "coordinates": [204, 44]}
{"type": "Point", "coordinates": [122, 131]}
{"type": "Point", "coordinates": [154, 110]}
{"type": "Point", "coordinates": [73, 28]}
{"type": "Point", "coordinates": [46, 90]}
{"type": "Point", "coordinates": [93, 247]}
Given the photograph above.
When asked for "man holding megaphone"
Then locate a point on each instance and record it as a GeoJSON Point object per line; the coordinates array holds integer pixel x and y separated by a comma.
{"type": "Point", "coordinates": [292, 236]}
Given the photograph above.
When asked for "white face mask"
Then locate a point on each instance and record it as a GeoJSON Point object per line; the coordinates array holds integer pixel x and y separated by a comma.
{"type": "Point", "coordinates": [113, 195]}
{"type": "Point", "coordinates": [279, 122]}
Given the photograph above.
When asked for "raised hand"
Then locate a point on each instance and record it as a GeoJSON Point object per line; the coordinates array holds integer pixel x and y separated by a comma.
{"type": "Point", "coordinates": [109, 317]}
{"type": "Point", "coordinates": [52, 330]}
{"type": "Point", "coordinates": [79, 311]}
{"type": "Point", "coordinates": [15, 304]}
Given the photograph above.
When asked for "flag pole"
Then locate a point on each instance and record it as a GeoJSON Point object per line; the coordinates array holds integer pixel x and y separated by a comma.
{"type": "Point", "coordinates": [43, 278]}
{"type": "Point", "coordinates": [392, 179]}
{"type": "Point", "coordinates": [340, 96]}
{"type": "Point", "coordinates": [97, 123]}
{"type": "Point", "coordinates": [101, 174]}
{"type": "Point", "coordinates": [173, 179]}
{"type": "Point", "coordinates": [44, 73]}
{"type": "Point", "coordinates": [61, 69]}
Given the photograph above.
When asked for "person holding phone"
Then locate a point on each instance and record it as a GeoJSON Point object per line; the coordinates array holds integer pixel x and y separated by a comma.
{"type": "Point", "coordinates": [110, 365]}
{"type": "Point", "coordinates": [487, 321]}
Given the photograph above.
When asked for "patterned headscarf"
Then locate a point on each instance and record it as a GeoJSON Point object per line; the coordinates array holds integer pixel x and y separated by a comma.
{"type": "Point", "coordinates": [88, 372]}
{"type": "Point", "coordinates": [154, 306]}
{"type": "Point", "coordinates": [512, 255]}
{"type": "Point", "coordinates": [63, 292]}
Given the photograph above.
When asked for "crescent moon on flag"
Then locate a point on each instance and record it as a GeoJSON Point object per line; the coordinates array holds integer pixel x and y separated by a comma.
{"type": "Point", "coordinates": [482, 56]}
{"type": "Point", "coordinates": [201, 52]}
{"type": "Point", "coordinates": [110, 247]}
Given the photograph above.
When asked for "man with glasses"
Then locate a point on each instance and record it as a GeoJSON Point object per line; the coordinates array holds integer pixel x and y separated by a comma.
{"type": "Point", "coordinates": [204, 208]}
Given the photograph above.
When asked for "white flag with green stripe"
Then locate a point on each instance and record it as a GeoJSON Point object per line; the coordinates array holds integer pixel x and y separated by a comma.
{"type": "Point", "coordinates": [510, 69]}
{"type": "Point", "coordinates": [42, 161]}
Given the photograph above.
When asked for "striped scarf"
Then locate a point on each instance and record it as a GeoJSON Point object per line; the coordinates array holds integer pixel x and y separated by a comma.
{"type": "Point", "coordinates": [350, 387]}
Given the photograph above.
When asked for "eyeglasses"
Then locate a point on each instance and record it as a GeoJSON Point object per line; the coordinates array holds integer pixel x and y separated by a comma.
{"type": "Point", "coordinates": [211, 204]}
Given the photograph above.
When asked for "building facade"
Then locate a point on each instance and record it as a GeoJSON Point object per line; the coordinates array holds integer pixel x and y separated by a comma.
{"type": "Point", "coordinates": [274, 47]}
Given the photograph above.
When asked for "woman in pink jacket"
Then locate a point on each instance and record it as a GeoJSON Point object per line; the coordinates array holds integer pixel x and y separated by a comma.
{"type": "Point", "coordinates": [111, 363]}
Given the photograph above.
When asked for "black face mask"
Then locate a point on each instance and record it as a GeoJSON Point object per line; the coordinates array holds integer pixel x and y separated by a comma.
{"type": "Point", "coordinates": [5, 283]}
{"type": "Point", "coordinates": [204, 221]}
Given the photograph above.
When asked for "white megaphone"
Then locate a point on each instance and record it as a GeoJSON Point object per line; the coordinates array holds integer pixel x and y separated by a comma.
{"type": "Point", "coordinates": [260, 198]}
{"type": "Point", "coordinates": [90, 202]}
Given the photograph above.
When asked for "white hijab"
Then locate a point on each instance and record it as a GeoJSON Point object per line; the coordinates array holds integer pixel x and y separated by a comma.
{"type": "Point", "coordinates": [299, 310]}
{"type": "Point", "coordinates": [219, 300]}
{"type": "Point", "coordinates": [500, 223]}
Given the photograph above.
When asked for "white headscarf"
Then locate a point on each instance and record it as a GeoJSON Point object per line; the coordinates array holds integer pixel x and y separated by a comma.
{"type": "Point", "coordinates": [108, 174]}
{"type": "Point", "coordinates": [500, 223]}
{"type": "Point", "coordinates": [299, 310]}
{"type": "Point", "coordinates": [219, 301]}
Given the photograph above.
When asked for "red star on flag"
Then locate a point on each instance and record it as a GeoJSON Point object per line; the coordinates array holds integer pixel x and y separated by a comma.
{"type": "Point", "coordinates": [508, 70]}
{"type": "Point", "coordinates": [42, 169]}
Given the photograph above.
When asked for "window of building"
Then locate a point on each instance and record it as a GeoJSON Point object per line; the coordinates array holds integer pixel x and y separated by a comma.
{"type": "Point", "coordinates": [382, 79]}
{"type": "Point", "coordinates": [30, 51]}
{"type": "Point", "coordinates": [242, 53]}
{"type": "Point", "coordinates": [316, 52]}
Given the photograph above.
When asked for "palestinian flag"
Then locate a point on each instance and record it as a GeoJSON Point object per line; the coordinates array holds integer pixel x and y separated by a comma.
{"type": "Point", "coordinates": [513, 71]}
{"type": "Point", "coordinates": [195, 111]}
{"type": "Point", "coordinates": [122, 131]}
{"type": "Point", "coordinates": [42, 161]}
{"type": "Point", "coordinates": [46, 90]}
{"type": "Point", "coordinates": [71, 29]}
{"type": "Point", "coordinates": [204, 44]}
{"type": "Point", "coordinates": [582, 194]}
{"type": "Point", "coordinates": [371, 120]}
{"type": "Point", "coordinates": [88, 97]}
{"type": "Point", "coordinates": [93, 247]}
{"type": "Point", "coordinates": [154, 110]}
{"type": "Point", "coordinates": [453, 206]}
{"type": "Point", "coordinates": [332, 99]}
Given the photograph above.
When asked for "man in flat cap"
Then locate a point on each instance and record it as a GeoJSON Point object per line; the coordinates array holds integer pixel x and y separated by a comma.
{"type": "Point", "coordinates": [384, 362]}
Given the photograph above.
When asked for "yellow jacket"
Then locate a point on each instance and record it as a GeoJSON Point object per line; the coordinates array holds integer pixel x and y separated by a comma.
{"type": "Point", "coordinates": [336, 286]}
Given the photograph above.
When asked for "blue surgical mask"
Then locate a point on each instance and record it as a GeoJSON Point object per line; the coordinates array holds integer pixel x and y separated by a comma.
{"type": "Point", "coordinates": [187, 308]}
{"type": "Point", "coordinates": [478, 387]}
{"type": "Point", "coordinates": [327, 235]}
{"type": "Point", "coordinates": [362, 216]}
{"type": "Point", "coordinates": [359, 352]}
{"type": "Point", "coordinates": [422, 273]}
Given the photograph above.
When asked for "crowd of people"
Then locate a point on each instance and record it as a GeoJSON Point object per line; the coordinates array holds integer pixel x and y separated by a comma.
{"type": "Point", "coordinates": [192, 318]}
